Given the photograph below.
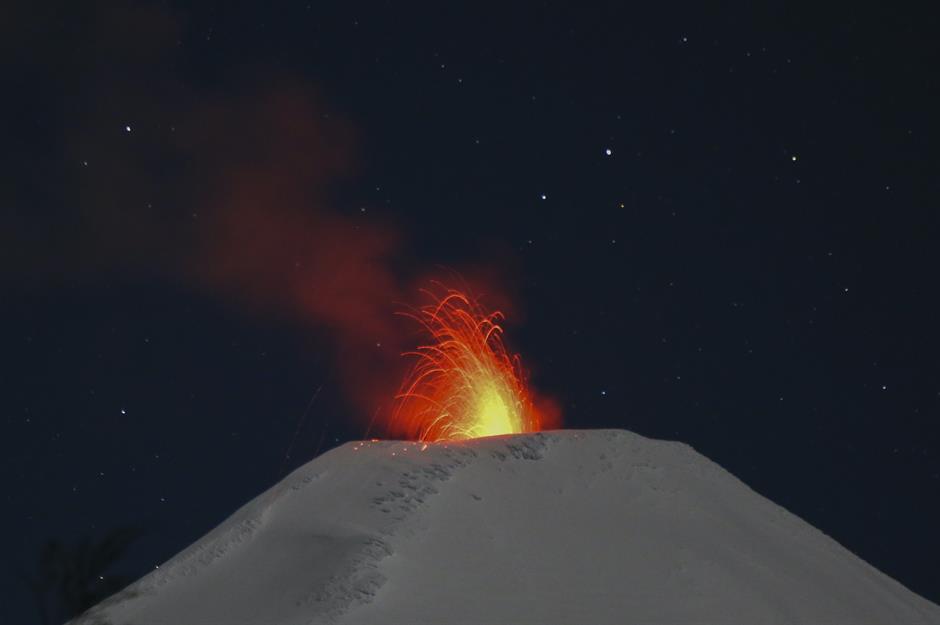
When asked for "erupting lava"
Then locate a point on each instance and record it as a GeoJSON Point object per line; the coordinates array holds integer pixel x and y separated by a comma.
{"type": "Point", "coordinates": [465, 383]}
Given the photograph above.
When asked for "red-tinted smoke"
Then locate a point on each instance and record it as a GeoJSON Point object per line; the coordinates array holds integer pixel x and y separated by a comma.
{"type": "Point", "coordinates": [228, 190]}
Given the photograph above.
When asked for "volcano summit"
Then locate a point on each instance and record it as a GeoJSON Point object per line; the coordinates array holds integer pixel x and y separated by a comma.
{"type": "Point", "coordinates": [560, 527]}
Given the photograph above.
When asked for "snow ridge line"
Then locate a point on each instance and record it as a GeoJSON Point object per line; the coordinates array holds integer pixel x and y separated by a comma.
{"type": "Point", "coordinates": [360, 580]}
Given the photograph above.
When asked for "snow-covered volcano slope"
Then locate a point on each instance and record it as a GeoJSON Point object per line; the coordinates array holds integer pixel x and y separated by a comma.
{"type": "Point", "coordinates": [564, 527]}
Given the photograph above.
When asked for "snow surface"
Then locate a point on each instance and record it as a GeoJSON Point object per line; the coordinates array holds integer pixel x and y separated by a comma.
{"type": "Point", "coordinates": [568, 527]}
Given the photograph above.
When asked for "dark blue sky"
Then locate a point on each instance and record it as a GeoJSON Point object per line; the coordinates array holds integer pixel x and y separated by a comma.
{"type": "Point", "coordinates": [210, 211]}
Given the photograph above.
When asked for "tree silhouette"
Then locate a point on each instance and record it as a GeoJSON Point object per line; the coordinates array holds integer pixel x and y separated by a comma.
{"type": "Point", "coordinates": [71, 579]}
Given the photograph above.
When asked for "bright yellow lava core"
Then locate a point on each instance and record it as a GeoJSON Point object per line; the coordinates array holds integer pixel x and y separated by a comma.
{"type": "Point", "coordinates": [492, 416]}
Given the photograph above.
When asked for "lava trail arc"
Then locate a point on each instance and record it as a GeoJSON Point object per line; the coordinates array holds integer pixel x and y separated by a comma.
{"type": "Point", "coordinates": [464, 382]}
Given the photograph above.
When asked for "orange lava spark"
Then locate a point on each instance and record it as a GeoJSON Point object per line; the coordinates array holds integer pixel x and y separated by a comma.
{"type": "Point", "coordinates": [465, 384]}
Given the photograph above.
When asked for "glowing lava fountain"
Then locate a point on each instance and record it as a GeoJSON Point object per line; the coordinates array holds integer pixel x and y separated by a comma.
{"type": "Point", "coordinates": [465, 384]}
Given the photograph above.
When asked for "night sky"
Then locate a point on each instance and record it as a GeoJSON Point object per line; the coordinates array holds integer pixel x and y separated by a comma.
{"type": "Point", "coordinates": [714, 227]}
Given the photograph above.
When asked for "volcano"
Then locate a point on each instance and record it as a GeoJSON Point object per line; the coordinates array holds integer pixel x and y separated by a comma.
{"type": "Point", "coordinates": [570, 527]}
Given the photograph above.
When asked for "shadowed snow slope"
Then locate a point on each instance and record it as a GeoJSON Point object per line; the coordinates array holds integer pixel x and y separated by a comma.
{"type": "Point", "coordinates": [571, 527]}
